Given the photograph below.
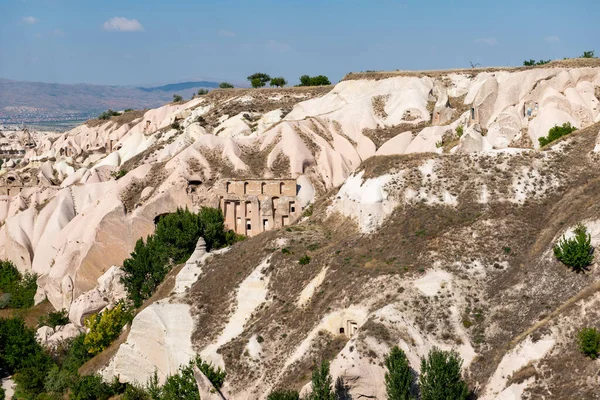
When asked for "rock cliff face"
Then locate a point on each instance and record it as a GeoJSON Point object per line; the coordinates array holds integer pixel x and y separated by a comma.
{"type": "Point", "coordinates": [433, 222]}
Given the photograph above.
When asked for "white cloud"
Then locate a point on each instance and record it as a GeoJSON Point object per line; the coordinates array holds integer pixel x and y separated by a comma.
{"type": "Point", "coordinates": [122, 24]}
{"type": "Point", "coordinates": [277, 46]}
{"type": "Point", "coordinates": [58, 32]}
{"type": "Point", "coordinates": [226, 33]}
{"type": "Point", "coordinates": [30, 20]}
{"type": "Point", "coordinates": [552, 39]}
{"type": "Point", "coordinates": [487, 41]}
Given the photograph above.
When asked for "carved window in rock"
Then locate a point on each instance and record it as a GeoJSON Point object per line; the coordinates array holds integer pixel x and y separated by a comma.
{"type": "Point", "coordinates": [228, 187]}
{"type": "Point", "coordinates": [245, 187]}
{"type": "Point", "coordinates": [281, 186]}
{"type": "Point", "coordinates": [263, 186]}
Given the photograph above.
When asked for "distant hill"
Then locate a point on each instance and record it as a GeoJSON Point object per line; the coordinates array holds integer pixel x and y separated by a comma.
{"type": "Point", "coordinates": [26, 102]}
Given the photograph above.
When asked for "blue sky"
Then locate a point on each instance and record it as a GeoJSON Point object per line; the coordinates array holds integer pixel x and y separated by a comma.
{"type": "Point", "coordinates": [151, 41]}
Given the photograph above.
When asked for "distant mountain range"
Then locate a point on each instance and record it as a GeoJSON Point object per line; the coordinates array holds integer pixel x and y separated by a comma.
{"type": "Point", "coordinates": [27, 102]}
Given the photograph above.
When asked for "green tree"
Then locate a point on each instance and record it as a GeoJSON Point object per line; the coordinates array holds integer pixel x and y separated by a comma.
{"type": "Point", "coordinates": [279, 81]}
{"type": "Point", "coordinates": [2, 394]}
{"type": "Point", "coordinates": [145, 269]}
{"type": "Point", "coordinates": [398, 378]}
{"type": "Point", "coordinates": [589, 342]}
{"type": "Point", "coordinates": [225, 85]}
{"type": "Point", "coordinates": [576, 252]}
{"type": "Point", "coordinates": [441, 378]}
{"type": "Point", "coordinates": [135, 392]}
{"type": "Point", "coordinates": [181, 386]}
{"type": "Point", "coordinates": [105, 327]}
{"type": "Point", "coordinates": [556, 132]}
{"type": "Point", "coordinates": [284, 395]}
{"type": "Point", "coordinates": [90, 387]}
{"type": "Point", "coordinates": [259, 79]}
{"type": "Point", "coordinates": [529, 63]}
{"type": "Point", "coordinates": [322, 383]}
{"type": "Point", "coordinates": [319, 80]}
{"type": "Point", "coordinates": [588, 54]}
{"type": "Point", "coordinates": [215, 376]}
{"type": "Point", "coordinates": [177, 98]}
{"type": "Point", "coordinates": [19, 290]}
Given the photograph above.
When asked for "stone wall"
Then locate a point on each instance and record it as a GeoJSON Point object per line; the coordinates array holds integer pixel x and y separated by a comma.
{"type": "Point", "coordinates": [254, 206]}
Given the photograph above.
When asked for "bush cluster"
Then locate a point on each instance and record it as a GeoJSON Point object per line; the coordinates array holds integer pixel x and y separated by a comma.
{"type": "Point", "coordinates": [556, 132]}
{"type": "Point", "coordinates": [172, 243]}
{"type": "Point", "coordinates": [16, 290]}
{"type": "Point", "coordinates": [177, 98]}
{"type": "Point", "coordinates": [576, 252]}
{"type": "Point", "coordinates": [225, 85]}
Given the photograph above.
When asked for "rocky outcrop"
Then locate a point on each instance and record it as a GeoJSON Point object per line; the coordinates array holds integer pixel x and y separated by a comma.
{"type": "Point", "coordinates": [109, 291]}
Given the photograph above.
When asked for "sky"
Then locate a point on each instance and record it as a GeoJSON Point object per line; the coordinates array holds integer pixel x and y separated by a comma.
{"type": "Point", "coordinates": [150, 42]}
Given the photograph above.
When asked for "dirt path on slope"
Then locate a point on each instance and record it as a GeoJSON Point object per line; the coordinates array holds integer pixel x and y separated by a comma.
{"type": "Point", "coordinates": [588, 291]}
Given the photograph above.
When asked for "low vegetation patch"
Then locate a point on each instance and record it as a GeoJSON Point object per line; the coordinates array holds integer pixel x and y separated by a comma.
{"type": "Point", "coordinates": [556, 132]}
{"type": "Point", "coordinates": [16, 290]}
{"type": "Point", "coordinates": [576, 252]}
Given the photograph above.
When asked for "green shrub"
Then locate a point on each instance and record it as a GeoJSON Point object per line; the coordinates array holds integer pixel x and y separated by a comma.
{"type": "Point", "coordinates": [556, 132]}
{"type": "Point", "coordinates": [279, 82]}
{"type": "Point", "coordinates": [530, 63]}
{"type": "Point", "coordinates": [225, 85]}
{"type": "Point", "coordinates": [77, 354]}
{"type": "Point", "coordinates": [177, 98]}
{"type": "Point", "coordinates": [135, 392]}
{"type": "Point", "coordinates": [105, 327]}
{"type": "Point", "coordinates": [202, 92]}
{"type": "Point", "coordinates": [92, 387]}
{"type": "Point", "coordinates": [459, 130]}
{"type": "Point", "coordinates": [398, 378]}
{"type": "Point", "coordinates": [589, 342]}
{"type": "Point", "coordinates": [54, 319]}
{"type": "Point", "coordinates": [118, 174]}
{"type": "Point", "coordinates": [284, 395]}
{"type": "Point", "coordinates": [308, 211]}
{"type": "Point", "coordinates": [2, 394]}
{"type": "Point", "coordinates": [304, 260]}
{"type": "Point", "coordinates": [588, 54]}
{"type": "Point", "coordinates": [175, 125]}
{"type": "Point", "coordinates": [576, 252]}
{"type": "Point", "coordinates": [441, 376]}
{"type": "Point", "coordinates": [108, 114]}
{"type": "Point", "coordinates": [259, 79]}
{"type": "Point", "coordinates": [18, 291]}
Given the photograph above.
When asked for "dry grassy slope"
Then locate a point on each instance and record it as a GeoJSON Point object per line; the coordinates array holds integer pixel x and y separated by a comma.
{"type": "Point", "coordinates": [567, 63]}
{"type": "Point", "coordinates": [501, 293]}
